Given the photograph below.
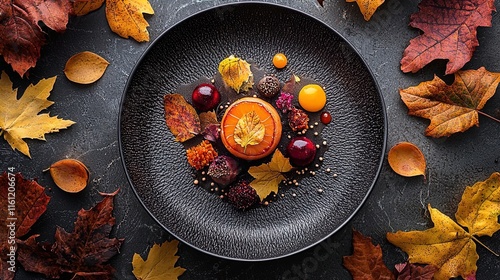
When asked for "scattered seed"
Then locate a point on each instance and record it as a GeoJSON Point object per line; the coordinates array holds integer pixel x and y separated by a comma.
{"type": "Point", "coordinates": [317, 146]}
{"type": "Point", "coordinates": [212, 184]}
{"type": "Point", "coordinates": [320, 190]}
{"type": "Point", "coordinates": [320, 158]}
{"type": "Point", "coordinates": [316, 133]}
{"type": "Point", "coordinates": [334, 174]}
{"type": "Point", "coordinates": [324, 143]}
{"type": "Point", "coordinates": [196, 182]}
{"type": "Point", "coordinates": [328, 170]}
{"type": "Point", "coordinates": [203, 179]}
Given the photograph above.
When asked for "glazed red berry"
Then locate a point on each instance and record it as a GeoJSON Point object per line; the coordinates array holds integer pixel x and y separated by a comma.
{"type": "Point", "coordinates": [326, 118]}
{"type": "Point", "coordinates": [205, 97]}
{"type": "Point", "coordinates": [301, 151]}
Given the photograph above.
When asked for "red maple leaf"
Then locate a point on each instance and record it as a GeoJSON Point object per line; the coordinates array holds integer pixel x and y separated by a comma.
{"type": "Point", "coordinates": [21, 36]}
{"type": "Point", "coordinates": [366, 261]}
{"type": "Point", "coordinates": [410, 271]}
{"type": "Point", "coordinates": [82, 254]}
{"type": "Point", "coordinates": [23, 202]}
{"type": "Point", "coordinates": [449, 28]}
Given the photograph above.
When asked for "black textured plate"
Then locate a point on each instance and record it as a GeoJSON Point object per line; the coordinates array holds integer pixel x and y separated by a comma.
{"type": "Point", "coordinates": [157, 167]}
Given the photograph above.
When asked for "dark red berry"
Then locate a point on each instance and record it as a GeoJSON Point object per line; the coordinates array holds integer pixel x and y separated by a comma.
{"type": "Point", "coordinates": [325, 118]}
{"type": "Point", "coordinates": [205, 97]}
{"type": "Point", "coordinates": [242, 195]}
{"type": "Point", "coordinates": [301, 151]}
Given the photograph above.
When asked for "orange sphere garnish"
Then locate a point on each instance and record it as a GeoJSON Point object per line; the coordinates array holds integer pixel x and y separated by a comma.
{"type": "Point", "coordinates": [280, 60]}
{"type": "Point", "coordinates": [251, 128]}
{"type": "Point", "coordinates": [312, 98]}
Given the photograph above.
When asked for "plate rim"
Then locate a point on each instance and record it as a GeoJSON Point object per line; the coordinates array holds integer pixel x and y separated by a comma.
{"type": "Point", "coordinates": [257, 3]}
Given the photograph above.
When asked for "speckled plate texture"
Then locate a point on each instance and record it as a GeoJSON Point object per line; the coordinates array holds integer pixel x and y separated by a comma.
{"type": "Point", "coordinates": [157, 167]}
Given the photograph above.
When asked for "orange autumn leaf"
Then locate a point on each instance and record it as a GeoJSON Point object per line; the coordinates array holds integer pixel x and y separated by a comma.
{"type": "Point", "coordinates": [70, 175]}
{"type": "Point", "coordinates": [407, 160]}
{"type": "Point", "coordinates": [449, 32]}
{"type": "Point", "coordinates": [125, 18]}
{"type": "Point", "coordinates": [451, 108]}
{"type": "Point", "coordinates": [160, 263]}
{"type": "Point", "coordinates": [447, 245]}
{"type": "Point", "coordinates": [85, 67]}
{"type": "Point", "coordinates": [20, 118]}
{"type": "Point", "coordinates": [181, 117]}
{"type": "Point", "coordinates": [367, 7]}
{"type": "Point", "coordinates": [366, 261]}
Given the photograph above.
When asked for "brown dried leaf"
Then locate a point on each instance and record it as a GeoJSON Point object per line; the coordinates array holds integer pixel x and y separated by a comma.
{"type": "Point", "coordinates": [21, 34]}
{"type": "Point", "coordinates": [160, 263]}
{"type": "Point", "coordinates": [70, 175]}
{"type": "Point", "coordinates": [366, 261]}
{"type": "Point", "coordinates": [19, 213]}
{"type": "Point", "coordinates": [249, 130]}
{"type": "Point", "coordinates": [236, 73]}
{"type": "Point", "coordinates": [410, 271]}
{"type": "Point", "coordinates": [451, 108]}
{"type": "Point", "coordinates": [449, 32]}
{"type": "Point", "coordinates": [85, 67]}
{"type": "Point", "coordinates": [407, 160]}
{"type": "Point", "coordinates": [182, 119]}
{"type": "Point", "coordinates": [208, 118]}
{"type": "Point", "coordinates": [268, 176]}
{"type": "Point", "coordinates": [82, 253]}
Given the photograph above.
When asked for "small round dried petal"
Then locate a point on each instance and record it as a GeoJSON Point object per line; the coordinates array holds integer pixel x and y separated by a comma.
{"type": "Point", "coordinates": [70, 175]}
{"type": "Point", "coordinates": [407, 160]}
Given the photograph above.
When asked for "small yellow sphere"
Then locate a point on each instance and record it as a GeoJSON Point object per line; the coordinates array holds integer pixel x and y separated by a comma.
{"type": "Point", "coordinates": [312, 98]}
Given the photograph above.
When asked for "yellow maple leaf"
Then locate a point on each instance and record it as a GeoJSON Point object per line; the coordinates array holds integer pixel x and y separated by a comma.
{"type": "Point", "coordinates": [367, 7]}
{"type": "Point", "coordinates": [447, 245]}
{"type": "Point", "coordinates": [480, 207]}
{"type": "Point", "coordinates": [160, 263]}
{"type": "Point", "coordinates": [236, 73]}
{"type": "Point", "coordinates": [20, 118]}
{"type": "Point", "coordinates": [268, 176]}
{"type": "Point", "coordinates": [249, 130]}
{"type": "Point", "coordinates": [125, 18]}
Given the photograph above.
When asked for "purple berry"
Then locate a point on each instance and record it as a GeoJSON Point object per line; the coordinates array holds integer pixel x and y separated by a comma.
{"type": "Point", "coordinates": [205, 97]}
{"type": "Point", "coordinates": [301, 151]}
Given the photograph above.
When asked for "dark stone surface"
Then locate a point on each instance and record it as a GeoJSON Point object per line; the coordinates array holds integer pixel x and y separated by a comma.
{"type": "Point", "coordinates": [396, 203]}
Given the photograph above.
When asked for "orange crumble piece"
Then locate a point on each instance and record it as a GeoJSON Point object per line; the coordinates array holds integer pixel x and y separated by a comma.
{"type": "Point", "coordinates": [201, 155]}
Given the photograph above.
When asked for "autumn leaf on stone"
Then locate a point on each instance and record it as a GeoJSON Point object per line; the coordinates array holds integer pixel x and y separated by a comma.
{"type": "Point", "coordinates": [449, 32]}
{"type": "Point", "coordinates": [249, 130]}
{"type": "Point", "coordinates": [20, 118]}
{"type": "Point", "coordinates": [83, 253]}
{"type": "Point", "coordinates": [451, 108]}
{"type": "Point", "coordinates": [23, 202]}
{"type": "Point", "coordinates": [447, 245]}
{"type": "Point", "coordinates": [367, 7]}
{"type": "Point", "coordinates": [125, 17]}
{"type": "Point", "coordinates": [236, 73]}
{"type": "Point", "coordinates": [21, 34]}
{"type": "Point", "coordinates": [268, 176]}
{"type": "Point", "coordinates": [85, 67]}
{"type": "Point", "coordinates": [366, 261]}
{"type": "Point", "coordinates": [182, 119]}
{"type": "Point", "coordinates": [160, 263]}
{"type": "Point", "coordinates": [410, 271]}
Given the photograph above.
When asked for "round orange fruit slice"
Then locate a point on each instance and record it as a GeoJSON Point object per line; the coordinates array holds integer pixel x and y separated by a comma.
{"type": "Point", "coordinates": [251, 128]}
